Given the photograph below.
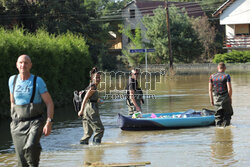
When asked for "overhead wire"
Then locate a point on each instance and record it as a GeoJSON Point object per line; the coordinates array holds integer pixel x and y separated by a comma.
{"type": "Point", "coordinates": [143, 12]}
{"type": "Point", "coordinates": [145, 8]}
{"type": "Point", "coordinates": [114, 16]}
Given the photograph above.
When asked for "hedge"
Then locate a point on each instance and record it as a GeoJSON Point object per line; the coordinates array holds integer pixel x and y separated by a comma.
{"type": "Point", "coordinates": [62, 61]}
{"type": "Point", "coordinates": [233, 57]}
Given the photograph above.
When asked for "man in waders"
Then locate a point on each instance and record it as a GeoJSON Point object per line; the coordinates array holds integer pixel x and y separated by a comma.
{"type": "Point", "coordinates": [134, 94]}
{"type": "Point", "coordinates": [27, 112]}
{"type": "Point", "coordinates": [220, 92]}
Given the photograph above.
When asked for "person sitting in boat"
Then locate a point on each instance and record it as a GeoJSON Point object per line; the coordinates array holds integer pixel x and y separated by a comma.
{"type": "Point", "coordinates": [134, 94]}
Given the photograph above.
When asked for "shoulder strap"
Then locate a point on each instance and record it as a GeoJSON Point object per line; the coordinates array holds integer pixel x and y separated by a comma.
{"type": "Point", "coordinates": [14, 84]}
{"type": "Point", "coordinates": [34, 90]}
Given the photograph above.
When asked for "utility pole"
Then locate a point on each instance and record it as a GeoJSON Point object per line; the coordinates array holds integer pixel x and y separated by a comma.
{"type": "Point", "coordinates": [169, 38]}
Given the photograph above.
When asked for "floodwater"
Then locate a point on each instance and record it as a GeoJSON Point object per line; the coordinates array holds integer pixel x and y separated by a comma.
{"type": "Point", "coordinates": [205, 146]}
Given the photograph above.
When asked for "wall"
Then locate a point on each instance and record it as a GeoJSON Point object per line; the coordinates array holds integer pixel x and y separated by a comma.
{"type": "Point", "coordinates": [132, 22]}
{"type": "Point", "coordinates": [237, 13]}
{"type": "Point", "coordinates": [230, 31]}
{"type": "Point", "coordinates": [191, 68]}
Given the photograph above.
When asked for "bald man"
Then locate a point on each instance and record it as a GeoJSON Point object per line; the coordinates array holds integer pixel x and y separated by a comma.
{"type": "Point", "coordinates": [29, 121]}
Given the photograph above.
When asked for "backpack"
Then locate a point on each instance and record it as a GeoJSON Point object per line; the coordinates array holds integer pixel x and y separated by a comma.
{"type": "Point", "coordinates": [78, 97]}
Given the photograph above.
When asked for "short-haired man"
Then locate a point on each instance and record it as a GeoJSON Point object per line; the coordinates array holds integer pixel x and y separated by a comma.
{"type": "Point", "coordinates": [220, 92]}
{"type": "Point", "coordinates": [27, 112]}
{"type": "Point", "coordinates": [134, 93]}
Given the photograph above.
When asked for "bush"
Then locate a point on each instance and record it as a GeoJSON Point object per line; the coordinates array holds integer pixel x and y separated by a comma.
{"type": "Point", "coordinates": [62, 61]}
{"type": "Point", "coordinates": [233, 57]}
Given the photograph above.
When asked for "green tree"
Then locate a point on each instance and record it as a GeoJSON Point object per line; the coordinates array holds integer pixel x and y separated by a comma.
{"type": "Point", "coordinates": [19, 13]}
{"type": "Point", "coordinates": [132, 59]}
{"type": "Point", "coordinates": [206, 34]}
{"type": "Point", "coordinates": [157, 34]}
{"type": "Point", "coordinates": [186, 46]}
{"type": "Point", "coordinates": [61, 16]}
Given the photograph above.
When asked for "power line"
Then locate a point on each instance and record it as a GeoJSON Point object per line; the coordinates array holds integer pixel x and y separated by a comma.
{"type": "Point", "coordinates": [144, 9]}
{"type": "Point", "coordinates": [113, 17]}
{"type": "Point", "coordinates": [106, 16]}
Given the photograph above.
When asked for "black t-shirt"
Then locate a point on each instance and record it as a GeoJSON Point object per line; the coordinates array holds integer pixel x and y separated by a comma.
{"type": "Point", "coordinates": [132, 84]}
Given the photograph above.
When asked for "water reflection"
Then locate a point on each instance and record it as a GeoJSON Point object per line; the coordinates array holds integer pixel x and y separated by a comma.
{"type": "Point", "coordinates": [93, 154]}
{"type": "Point", "coordinates": [222, 146]}
{"type": "Point", "coordinates": [5, 139]}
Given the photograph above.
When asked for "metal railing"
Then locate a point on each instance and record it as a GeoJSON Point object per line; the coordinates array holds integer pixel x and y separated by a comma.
{"type": "Point", "coordinates": [237, 42]}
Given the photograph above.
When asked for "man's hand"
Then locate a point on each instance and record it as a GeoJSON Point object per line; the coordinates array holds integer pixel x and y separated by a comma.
{"type": "Point", "coordinates": [137, 108]}
{"type": "Point", "coordinates": [47, 128]}
{"type": "Point", "coordinates": [80, 113]}
{"type": "Point", "coordinates": [212, 103]}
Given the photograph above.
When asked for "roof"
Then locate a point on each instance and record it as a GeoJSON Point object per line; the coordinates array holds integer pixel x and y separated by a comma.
{"type": "Point", "coordinates": [146, 7]}
{"type": "Point", "coordinates": [222, 8]}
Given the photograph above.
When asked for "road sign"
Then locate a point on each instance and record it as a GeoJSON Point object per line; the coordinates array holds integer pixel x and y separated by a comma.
{"type": "Point", "coordinates": [141, 50]}
{"type": "Point", "coordinates": [150, 50]}
{"type": "Point", "coordinates": [137, 50]}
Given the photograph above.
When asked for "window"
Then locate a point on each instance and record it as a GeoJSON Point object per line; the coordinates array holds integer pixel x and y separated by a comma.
{"type": "Point", "coordinates": [241, 29]}
{"type": "Point", "coordinates": [133, 34]}
{"type": "Point", "coordinates": [132, 13]}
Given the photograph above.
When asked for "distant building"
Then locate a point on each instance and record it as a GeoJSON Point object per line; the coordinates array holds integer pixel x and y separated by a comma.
{"type": "Point", "coordinates": [235, 15]}
{"type": "Point", "coordinates": [134, 11]}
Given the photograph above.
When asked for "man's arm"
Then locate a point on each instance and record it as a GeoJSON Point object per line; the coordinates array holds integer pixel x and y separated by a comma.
{"type": "Point", "coordinates": [89, 93]}
{"type": "Point", "coordinates": [50, 112]}
{"type": "Point", "coordinates": [210, 89]}
{"type": "Point", "coordinates": [132, 97]}
{"type": "Point", "coordinates": [230, 91]}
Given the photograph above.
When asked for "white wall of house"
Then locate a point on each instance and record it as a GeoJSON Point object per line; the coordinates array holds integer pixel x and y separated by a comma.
{"type": "Point", "coordinates": [237, 13]}
{"type": "Point", "coordinates": [230, 33]}
{"type": "Point", "coordinates": [132, 22]}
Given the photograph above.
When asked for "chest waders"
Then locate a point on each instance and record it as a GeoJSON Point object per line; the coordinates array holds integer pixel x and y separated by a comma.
{"type": "Point", "coordinates": [91, 121]}
{"type": "Point", "coordinates": [224, 110]}
{"type": "Point", "coordinates": [26, 129]}
{"type": "Point", "coordinates": [131, 106]}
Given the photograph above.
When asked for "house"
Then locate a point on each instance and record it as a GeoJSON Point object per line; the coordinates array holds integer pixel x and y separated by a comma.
{"type": "Point", "coordinates": [134, 11]}
{"type": "Point", "coordinates": [234, 14]}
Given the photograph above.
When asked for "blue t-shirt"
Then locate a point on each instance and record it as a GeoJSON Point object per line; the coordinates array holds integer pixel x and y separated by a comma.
{"type": "Point", "coordinates": [24, 88]}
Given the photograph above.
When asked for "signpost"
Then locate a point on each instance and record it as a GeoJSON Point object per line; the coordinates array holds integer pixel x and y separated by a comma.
{"type": "Point", "coordinates": [146, 63]}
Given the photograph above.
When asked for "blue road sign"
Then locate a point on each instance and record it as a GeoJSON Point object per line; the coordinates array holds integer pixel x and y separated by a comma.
{"type": "Point", "coordinates": [137, 50]}
{"type": "Point", "coordinates": [141, 50]}
{"type": "Point", "coordinates": [150, 50]}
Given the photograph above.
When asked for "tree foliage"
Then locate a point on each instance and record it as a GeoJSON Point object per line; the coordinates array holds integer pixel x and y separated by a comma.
{"type": "Point", "coordinates": [186, 46]}
{"type": "Point", "coordinates": [233, 57]}
{"type": "Point", "coordinates": [206, 34]}
{"type": "Point", "coordinates": [132, 59]}
{"type": "Point", "coordinates": [61, 16]}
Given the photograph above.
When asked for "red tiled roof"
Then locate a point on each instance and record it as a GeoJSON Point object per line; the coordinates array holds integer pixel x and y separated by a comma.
{"type": "Point", "coordinates": [222, 8]}
{"type": "Point", "coordinates": [193, 9]}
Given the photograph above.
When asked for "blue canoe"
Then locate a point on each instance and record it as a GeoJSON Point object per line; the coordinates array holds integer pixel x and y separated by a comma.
{"type": "Point", "coordinates": [157, 121]}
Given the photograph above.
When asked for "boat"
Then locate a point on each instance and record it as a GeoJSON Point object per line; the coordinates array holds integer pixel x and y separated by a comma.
{"type": "Point", "coordinates": [175, 120]}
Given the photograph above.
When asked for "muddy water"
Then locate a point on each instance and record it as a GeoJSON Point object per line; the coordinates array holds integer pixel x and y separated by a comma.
{"type": "Point", "coordinates": [207, 146]}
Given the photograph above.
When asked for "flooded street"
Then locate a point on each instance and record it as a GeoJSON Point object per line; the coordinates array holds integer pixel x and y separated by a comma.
{"type": "Point", "coordinates": [205, 146]}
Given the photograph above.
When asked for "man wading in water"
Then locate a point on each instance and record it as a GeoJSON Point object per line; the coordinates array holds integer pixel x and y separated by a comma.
{"type": "Point", "coordinates": [27, 112]}
{"type": "Point", "coordinates": [220, 92]}
{"type": "Point", "coordinates": [134, 94]}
